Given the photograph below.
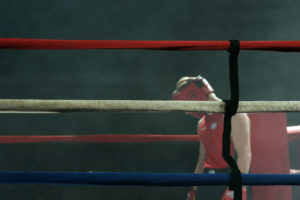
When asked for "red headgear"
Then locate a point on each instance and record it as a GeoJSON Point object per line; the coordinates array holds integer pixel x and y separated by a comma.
{"type": "Point", "coordinates": [195, 89]}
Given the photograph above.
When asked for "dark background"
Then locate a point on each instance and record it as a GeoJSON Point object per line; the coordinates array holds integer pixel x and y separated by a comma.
{"type": "Point", "coordinates": [131, 74]}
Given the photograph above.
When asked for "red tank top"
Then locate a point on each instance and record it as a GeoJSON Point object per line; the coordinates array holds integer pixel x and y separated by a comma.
{"type": "Point", "coordinates": [210, 132]}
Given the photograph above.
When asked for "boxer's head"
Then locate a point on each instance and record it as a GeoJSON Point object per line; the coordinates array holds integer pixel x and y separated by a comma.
{"type": "Point", "coordinates": [192, 89]}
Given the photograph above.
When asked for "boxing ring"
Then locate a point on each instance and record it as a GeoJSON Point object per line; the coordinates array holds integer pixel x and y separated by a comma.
{"type": "Point", "coordinates": [148, 179]}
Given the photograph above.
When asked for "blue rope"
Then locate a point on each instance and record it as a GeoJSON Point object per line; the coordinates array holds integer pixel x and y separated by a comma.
{"type": "Point", "coordinates": [142, 179]}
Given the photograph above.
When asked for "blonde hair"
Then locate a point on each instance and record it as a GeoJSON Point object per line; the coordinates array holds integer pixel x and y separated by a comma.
{"type": "Point", "coordinates": [183, 81]}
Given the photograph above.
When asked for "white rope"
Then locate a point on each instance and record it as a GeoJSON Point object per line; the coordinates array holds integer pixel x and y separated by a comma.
{"type": "Point", "coordinates": [62, 106]}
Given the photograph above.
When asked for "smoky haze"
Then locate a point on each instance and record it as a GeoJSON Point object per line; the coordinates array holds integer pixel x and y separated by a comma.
{"type": "Point", "coordinates": [131, 74]}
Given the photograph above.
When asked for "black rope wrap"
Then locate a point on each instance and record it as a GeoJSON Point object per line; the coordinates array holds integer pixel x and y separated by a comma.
{"type": "Point", "coordinates": [231, 107]}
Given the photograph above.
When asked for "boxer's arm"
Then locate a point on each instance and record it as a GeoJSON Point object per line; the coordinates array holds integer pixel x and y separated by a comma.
{"type": "Point", "coordinates": [240, 135]}
{"type": "Point", "coordinates": [198, 169]}
{"type": "Point", "coordinates": [200, 162]}
{"type": "Point", "coordinates": [201, 159]}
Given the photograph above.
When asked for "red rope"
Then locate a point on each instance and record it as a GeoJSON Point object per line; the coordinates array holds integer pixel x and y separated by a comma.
{"type": "Point", "coordinates": [116, 138]}
{"type": "Point", "coordinates": [293, 134]}
{"type": "Point", "coordinates": [18, 43]}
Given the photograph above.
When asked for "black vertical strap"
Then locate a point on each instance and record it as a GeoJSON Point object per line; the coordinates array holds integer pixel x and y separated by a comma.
{"type": "Point", "coordinates": [230, 110]}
